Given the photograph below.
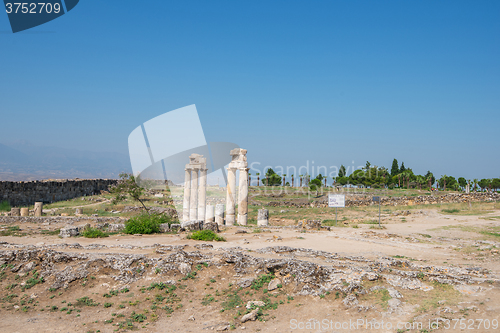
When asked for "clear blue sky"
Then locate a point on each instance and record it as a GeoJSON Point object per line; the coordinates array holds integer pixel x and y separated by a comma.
{"type": "Point", "coordinates": [325, 81]}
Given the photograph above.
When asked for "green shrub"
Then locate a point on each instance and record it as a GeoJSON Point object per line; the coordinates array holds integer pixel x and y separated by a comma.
{"type": "Point", "coordinates": [146, 224]}
{"type": "Point", "coordinates": [5, 206]}
{"type": "Point", "coordinates": [94, 233]}
{"type": "Point", "coordinates": [85, 301]}
{"type": "Point", "coordinates": [450, 211]}
{"type": "Point", "coordinates": [206, 235]}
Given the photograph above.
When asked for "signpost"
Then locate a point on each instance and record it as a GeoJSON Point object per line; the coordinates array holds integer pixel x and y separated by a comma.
{"type": "Point", "coordinates": [377, 199]}
{"type": "Point", "coordinates": [336, 200]}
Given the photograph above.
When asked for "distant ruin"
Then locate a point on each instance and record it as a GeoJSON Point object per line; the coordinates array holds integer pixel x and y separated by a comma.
{"type": "Point", "coordinates": [48, 191]}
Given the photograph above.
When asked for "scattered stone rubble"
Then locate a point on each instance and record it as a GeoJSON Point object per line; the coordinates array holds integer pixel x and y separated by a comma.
{"type": "Point", "coordinates": [337, 273]}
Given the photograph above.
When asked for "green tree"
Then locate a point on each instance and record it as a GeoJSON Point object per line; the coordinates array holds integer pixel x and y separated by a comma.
{"type": "Point", "coordinates": [429, 176]}
{"type": "Point", "coordinates": [394, 168]}
{"type": "Point", "coordinates": [342, 172]}
{"type": "Point", "coordinates": [315, 185]}
{"type": "Point", "coordinates": [484, 183]}
{"type": "Point", "coordinates": [420, 181]}
{"type": "Point", "coordinates": [402, 169]}
{"type": "Point", "coordinates": [495, 183]}
{"type": "Point", "coordinates": [127, 186]}
{"type": "Point", "coordinates": [462, 182]}
{"type": "Point", "coordinates": [447, 182]}
{"type": "Point", "coordinates": [475, 182]}
{"type": "Point", "coordinates": [272, 178]}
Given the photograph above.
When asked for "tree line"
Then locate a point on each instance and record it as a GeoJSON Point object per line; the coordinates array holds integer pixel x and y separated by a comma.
{"type": "Point", "coordinates": [380, 177]}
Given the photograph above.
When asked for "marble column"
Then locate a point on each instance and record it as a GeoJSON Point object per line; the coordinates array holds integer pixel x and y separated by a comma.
{"type": "Point", "coordinates": [243, 197]}
{"type": "Point", "coordinates": [193, 204]}
{"type": "Point", "coordinates": [15, 211]}
{"type": "Point", "coordinates": [219, 214]}
{"type": "Point", "coordinates": [210, 214]}
{"type": "Point", "coordinates": [202, 194]}
{"type": "Point", "coordinates": [187, 195]}
{"type": "Point", "coordinates": [38, 208]}
{"type": "Point", "coordinates": [25, 211]}
{"type": "Point", "coordinates": [231, 196]}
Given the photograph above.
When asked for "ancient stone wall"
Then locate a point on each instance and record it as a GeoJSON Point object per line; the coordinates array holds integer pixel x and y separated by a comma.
{"type": "Point", "coordinates": [27, 193]}
{"type": "Point", "coordinates": [355, 201]}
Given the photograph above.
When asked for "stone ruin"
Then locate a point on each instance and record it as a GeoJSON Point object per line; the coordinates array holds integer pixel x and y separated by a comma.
{"type": "Point", "coordinates": [238, 162]}
{"type": "Point", "coordinates": [195, 189]}
{"type": "Point", "coordinates": [195, 208]}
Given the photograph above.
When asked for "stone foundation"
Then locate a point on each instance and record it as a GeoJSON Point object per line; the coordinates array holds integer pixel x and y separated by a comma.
{"type": "Point", "coordinates": [27, 193]}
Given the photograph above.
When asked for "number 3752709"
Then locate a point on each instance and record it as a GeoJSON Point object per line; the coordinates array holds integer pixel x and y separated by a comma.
{"type": "Point", "coordinates": [32, 8]}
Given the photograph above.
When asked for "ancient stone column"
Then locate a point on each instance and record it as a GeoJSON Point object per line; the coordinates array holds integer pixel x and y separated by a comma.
{"type": "Point", "coordinates": [210, 214]}
{"type": "Point", "coordinates": [243, 197]}
{"type": "Point", "coordinates": [193, 204]}
{"type": "Point", "coordinates": [25, 211]}
{"type": "Point", "coordinates": [219, 214]}
{"type": "Point", "coordinates": [14, 211]}
{"type": "Point", "coordinates": [202, 194]}
{"type": "Point", "coordinates": [263, 217]}
{"type": "Point", "coordinates": [231, 196]}
{"type": "Point", "coordinates": [38, 208]}
{"type": "Point", "coordinates": [187, 195]}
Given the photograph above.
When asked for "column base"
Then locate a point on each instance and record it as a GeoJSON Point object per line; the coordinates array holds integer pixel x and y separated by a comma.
{"type": "Point", "coordinates": [262, 223]}
{"type": "Point", "coordinates": [230, 219]}
{"type": "Point", "coordinates": [242, 219]}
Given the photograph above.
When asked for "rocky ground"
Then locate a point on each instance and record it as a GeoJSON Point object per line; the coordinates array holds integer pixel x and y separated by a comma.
{"type": "Point", "coordinates": [425, 269]}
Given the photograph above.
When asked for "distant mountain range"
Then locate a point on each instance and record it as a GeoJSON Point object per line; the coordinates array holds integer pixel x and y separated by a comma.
{"type": "Point", "coordinates": [25, 161]}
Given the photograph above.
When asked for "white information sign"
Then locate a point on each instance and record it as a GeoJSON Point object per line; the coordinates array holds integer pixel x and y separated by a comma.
{"type": "Point", "coordinates": [336, 200]}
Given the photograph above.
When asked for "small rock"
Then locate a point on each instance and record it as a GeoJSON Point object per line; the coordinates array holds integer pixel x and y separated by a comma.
{"type": "Point", "coordinates": [222, 328]}
{"type": "Point", "coordinates": [394, 293]}
{"type": "Point", "coordinates": [249, 316]}
{"type": "Point", "coordinates": [256, 303]}
{"type": "Point", "coordinates": [184, 268]}
{"type": "Point", "coordinates": [245, 283]}
{"type": "Point", "coordinates": [191, 318]}
{"type": "Point", "coordinates": [371, 276]}
{"type": "Point", "coordinates": [273, 284]}
{"type": "Point", "coordinates": [350, 301]}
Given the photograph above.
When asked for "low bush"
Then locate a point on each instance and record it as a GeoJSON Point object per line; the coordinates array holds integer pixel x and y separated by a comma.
{"type": "Point", "coordinates": [94, 233]}
{"type": "Point", "coordinates": [146, 224]}
{"type": "Point", "coordinates": [206, 235]}
{"type": "Point", "coordinates": [4, 206]}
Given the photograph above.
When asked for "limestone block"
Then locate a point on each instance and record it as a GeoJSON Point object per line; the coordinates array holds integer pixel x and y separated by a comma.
{"type": "Point", "coordinates": [192, 225]}
{"type": "Point", "coordinates": [211, 226]}
{"type": "Point", "coordinates": [175, 226]}
{"type": "Point", "coordinates": [114, 227]}
{"type": "Point", "coordinates": [69, 232]}
{"type": "Point", "coordinates": [164, 227]}
{"type": "Point", "coordinates": [263, 217]}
